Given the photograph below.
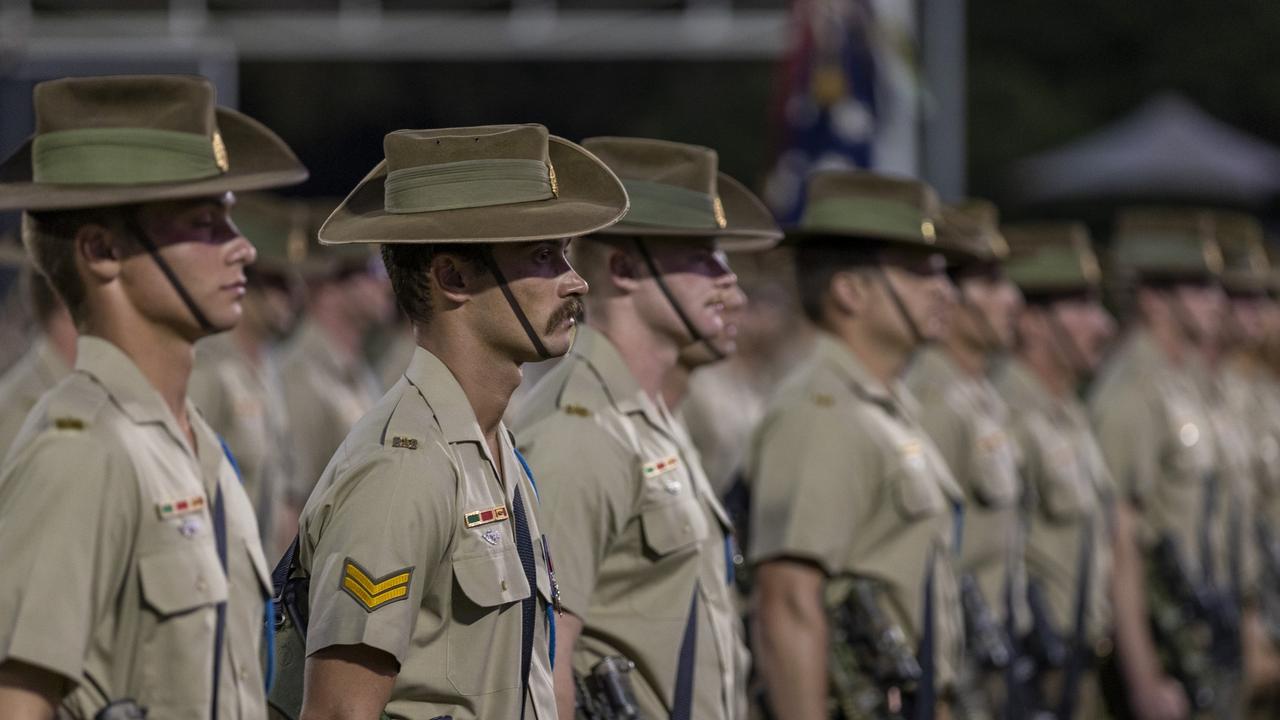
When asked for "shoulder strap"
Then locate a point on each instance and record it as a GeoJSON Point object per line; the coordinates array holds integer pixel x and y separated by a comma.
{"type": "Point", "coordinates": [220, 628]}
{"type": "Point", "coordinates": [1076, 658]}
{"type": "Point", "coordinates": [926, 695]}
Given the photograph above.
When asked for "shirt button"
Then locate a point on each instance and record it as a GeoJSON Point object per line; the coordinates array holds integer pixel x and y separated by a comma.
{"type": "Point", "coordinates": [504, 585]}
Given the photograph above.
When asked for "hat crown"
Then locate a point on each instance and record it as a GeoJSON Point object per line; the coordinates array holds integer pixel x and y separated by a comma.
{"type": "Point", "coordinates": [1244, 255]}
{"type": "Point", "coordinates": [1173, 241]}
{"type": "Point", "coordinates": [866, 204]}
{"type": "Point", "coordinates": [418, 148]}
{"type": "Point", "coordinates": [691, 167]}
{"type": "Point", "coordinates": [973, 227]}
{"type": "Point", "coordinates": [175, 103]}
{"type": "Point", "coordinates": [1051, 257]}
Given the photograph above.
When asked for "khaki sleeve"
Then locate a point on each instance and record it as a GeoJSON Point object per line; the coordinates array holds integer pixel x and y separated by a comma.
{"type": "Point", "coordinates": [1126, 435]}
{"type": "Point", "coordinates": [68, 515]}
{"type": "Point", "coordinates": [587, 485]}
{"type": "Point", "coordinates": [309, 431]}
{"type": "Point", "coordinates": [811, 472]}
{"type": "Point", "coordinates": [376, 543]}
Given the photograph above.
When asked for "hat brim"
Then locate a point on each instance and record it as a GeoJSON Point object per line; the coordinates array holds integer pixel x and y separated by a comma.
{"type": "Point", "coordinates": [749, 226]}
{"type": "Point", "coordinates": [258, 160]}
{"type": "Point", "coordinates": [590, 199]}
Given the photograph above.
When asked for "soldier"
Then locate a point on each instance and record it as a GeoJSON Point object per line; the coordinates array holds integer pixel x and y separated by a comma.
{"type": "Point", "coordinates": [968, 422]}
{"type": "Point", "coordinates": [49, 359]}
{"type": "Point", "coordinates": [328, 384]}
{"type": "Point", "coordinates": [845, 480]}
{"type": "Point", "coordinates": [132, 574]}
{"type": "Point", "coordinates": [1239, 414]}
{"type": "Point", "coordinates": [1156, 440]}
{"type": "Point", "coordinates": [236, 380]}
{"type": "Point", "coordinates": [430, 581]}
{"type": "Point", "coordinates": [1062, 335]}
{"type": "Point", "coordinates": [643, 546]}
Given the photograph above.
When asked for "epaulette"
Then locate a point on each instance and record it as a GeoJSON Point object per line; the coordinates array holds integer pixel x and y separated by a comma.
{"type": "Point", "coordinates": [409, 418]}
{"type": "Point", "coordinates": [74, 404]}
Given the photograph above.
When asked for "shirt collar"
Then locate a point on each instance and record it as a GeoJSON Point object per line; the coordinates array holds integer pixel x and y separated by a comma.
{"type": "Point", "coordinates": [602, 356]}
{"type": "Point", "coordinates": [436, 384]}
{"type": "Point", "coordinates": [837, 356]}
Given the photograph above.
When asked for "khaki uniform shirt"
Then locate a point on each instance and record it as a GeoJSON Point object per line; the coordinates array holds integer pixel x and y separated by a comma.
{"type": "Point", "coordinates": [968, 422]}
{"type": "Point", "coordinates": [243, 403]}
{"type": "Point", "coordinates": [111, 576]}
{"type": "Point", "coordinates": [1156, 440]}
{"type": "Point", "coordinates": [1253, 395]}
{"type": "Point", "coordinates": [843, 475]}
{"type": "Point", "coordinates": [639, 537]}
{"type": "Point", "coordinates": [1234, 539]}
{"type": "Point", "coordinates": [323, 400]}
{"type": "Point", "coordinates": [22, 385]}
{"type": "Point", "coordinates": [1070, 493]}
{"type": "Point", "coordinates": [409, 540]}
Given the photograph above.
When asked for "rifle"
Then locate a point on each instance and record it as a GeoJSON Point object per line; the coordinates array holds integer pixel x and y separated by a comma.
{"type": "Point", "coordinates": [872, 665]}
{"type": "Point", "coordinates": [1179, 610]}
{"type": "Point", "coordinates": [605, 693]}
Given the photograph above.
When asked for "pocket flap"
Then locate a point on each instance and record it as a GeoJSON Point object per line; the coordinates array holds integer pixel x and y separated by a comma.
{"type": "Point", "coordinates": [175, 582]}
{"type": "Point", "coordinates": [492, 580]}
{"type": "Point", "coordinates": [673, 526]}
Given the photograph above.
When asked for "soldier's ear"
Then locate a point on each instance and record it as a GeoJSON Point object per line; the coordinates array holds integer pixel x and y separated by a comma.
{"type": "Point", "coordinates": [624, 269]}
{"type": "Point", "coordinates": [98, 251]}
{"type": "Point", "coordinates": [848, 292]}
{"type": "Point", "coordinates": [455, 284]}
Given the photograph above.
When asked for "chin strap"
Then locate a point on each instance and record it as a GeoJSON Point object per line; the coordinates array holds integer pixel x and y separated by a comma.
{"type": "Point", "coordinates": [985, 328]}
{"type": "Point", "coordinates": [675, 304]}
{"type": "Point", "coordinates": [486, 256]}
{"type": "Point", "coordinates": [910, 322]}
{"type": "Point", "coordinates": [133, 226]}
{"type": "Point", "coordinates": [1067, 347]}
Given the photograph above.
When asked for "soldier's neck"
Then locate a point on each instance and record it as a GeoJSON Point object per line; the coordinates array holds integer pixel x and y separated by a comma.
{"type": "Point", "coordinates": [883, 361]}
{"type": "Point", "coordinates": [1046, 366]}
{"type": "Point", "coordinates": [163, 356]}
{"type": "Point", "coordinates": [972, 361]}
{"type": "Point", "coordinates": [487, 377]}
{"type": "Point", "coordinates": [648, 354]}
{"type": "Point", "coordinates": [676, 385]}
{"type": "Point", "coordinates": [1169, 339]}
{"type": "Point", "coordinates": [250, 340]}
{"type": "Point", "coordinates": [345, 336]}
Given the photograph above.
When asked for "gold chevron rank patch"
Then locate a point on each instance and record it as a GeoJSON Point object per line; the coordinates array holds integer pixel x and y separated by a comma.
{"type": "Point", "coordinates": [373, 593]}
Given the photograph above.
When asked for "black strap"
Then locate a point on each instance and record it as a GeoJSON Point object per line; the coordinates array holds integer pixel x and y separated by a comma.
{"type": "Point", "coordinates": [671, 299]}
{"type": "Point", "coordinates": [220, 628]}
{"type": "Point", "coordinates": [1208, 569]}
{"type": "Point", "coordinates": [926, 695]}
{"type": "Point", "coordinates": [1079, 646]}
{"type": "Point", "coordinates": [682, 702]}
{"type": "Point", "coordinates": [528, 606]}
{"type": "Point", "coordinates": [487, 257]}
{"type": "Point", "coordinates": [901, 306]}
{"type": "Point", "coordinates": [154, 252]}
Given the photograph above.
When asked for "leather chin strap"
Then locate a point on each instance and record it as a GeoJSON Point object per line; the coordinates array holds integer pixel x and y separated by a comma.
{"type": "Point", "coordinates": [675, 304]}
{"type": "Point", "coordinates": [486, 256]}
{"type": "Point", "coordinates": [910, 322]}
{"type": "Point", "coordinates": [985, 329]}
{"type": "Point", "coordinates": [133, 226]}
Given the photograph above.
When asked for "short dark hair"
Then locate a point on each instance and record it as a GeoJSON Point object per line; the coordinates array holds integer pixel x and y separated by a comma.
{"type": "Point", "coordinates": [408, 265]}
{"type": "Point", "coordinates": [50, 236]}
{"type": "Point", "coordinates": [818, 261]}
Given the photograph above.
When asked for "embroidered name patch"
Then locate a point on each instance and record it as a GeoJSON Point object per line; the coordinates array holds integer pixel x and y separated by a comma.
{"type": "Point", "coordinates": [373, 593]}
{"type": "Point", "coordinates": [476, 518]}
{"type": "Point", "coordinates": [659, 467]}
{"type": "Point", "coordinates": [179, 507]}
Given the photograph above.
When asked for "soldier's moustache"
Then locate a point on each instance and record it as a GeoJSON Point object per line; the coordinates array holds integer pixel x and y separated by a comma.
{"type": "Point", "coordinates": [571, 309]}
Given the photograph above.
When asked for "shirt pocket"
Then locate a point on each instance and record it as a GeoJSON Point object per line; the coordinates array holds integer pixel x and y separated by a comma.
{"type": "Point", "coordinates": [1067, 496]}
{"type": "Point", "coordinates": [181, 588]}
{"type": "Point", "coordinates": [483, 641]}
{"type": "Point", "coordinates": [993, 466]}
{"type": "Point", "coordinates": [916, 492]}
